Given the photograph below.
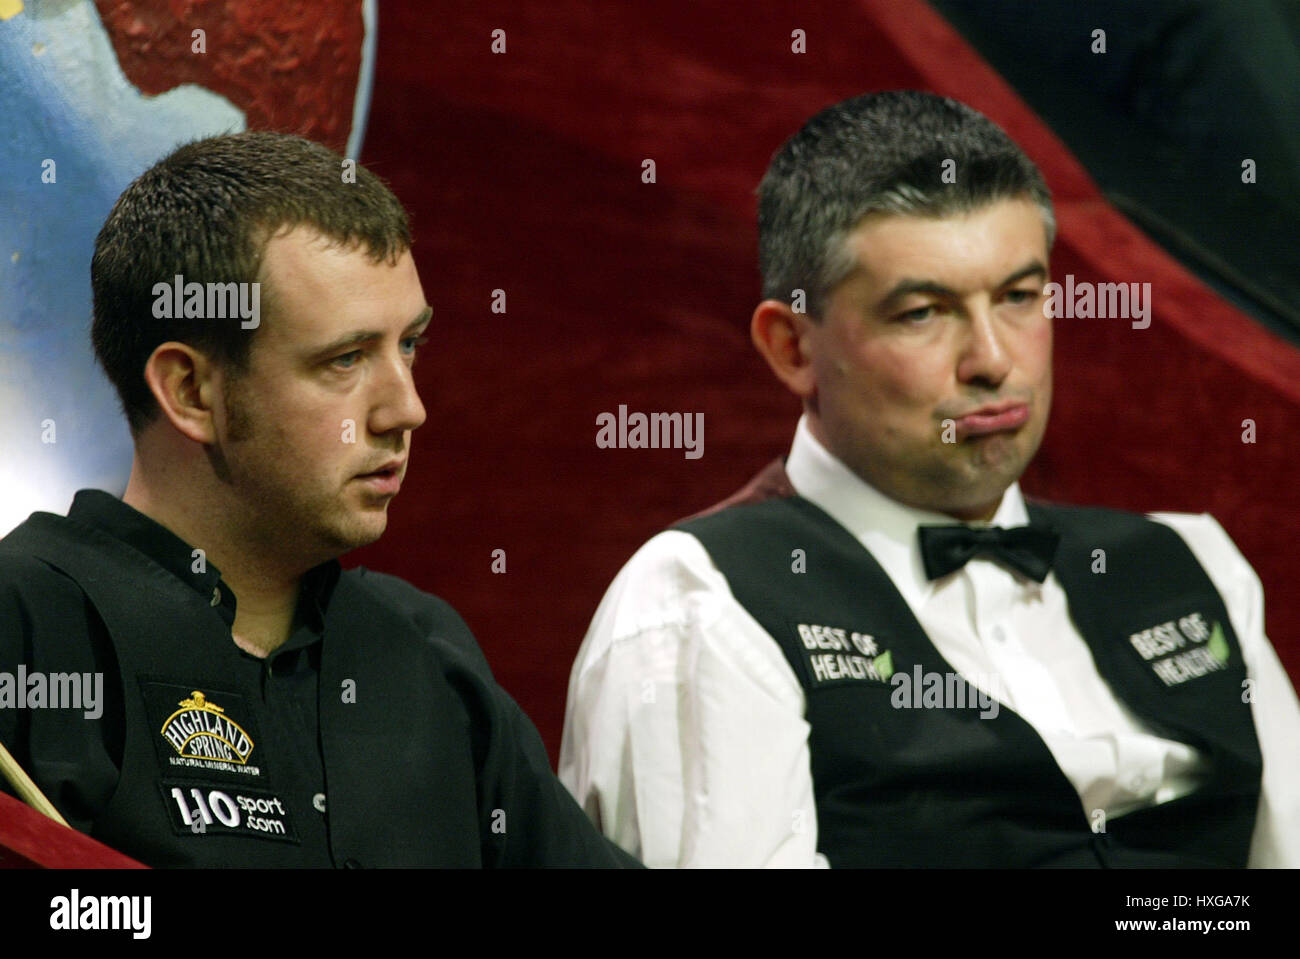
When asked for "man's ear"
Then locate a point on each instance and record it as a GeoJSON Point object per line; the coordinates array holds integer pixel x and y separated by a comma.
{"type": "Point", "coordinates": [182, 382]}
{"type": "Point", "coordinates": [783, 337]}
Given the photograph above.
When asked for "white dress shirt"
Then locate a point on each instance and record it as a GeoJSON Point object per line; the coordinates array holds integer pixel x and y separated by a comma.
{"type": "Point", "coordinates": [684, 733]}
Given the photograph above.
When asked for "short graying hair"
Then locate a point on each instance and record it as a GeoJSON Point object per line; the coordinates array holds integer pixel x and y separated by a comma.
{"type": "Point", "coordinates": [879, 153]}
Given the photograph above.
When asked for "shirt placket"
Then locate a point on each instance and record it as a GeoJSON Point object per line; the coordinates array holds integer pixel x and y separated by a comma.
{"type": "Point", "coordinates": [1020, 680]}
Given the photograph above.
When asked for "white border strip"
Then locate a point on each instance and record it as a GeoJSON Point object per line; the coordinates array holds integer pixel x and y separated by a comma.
{"type": "Point", "coordinates": [365, 78]}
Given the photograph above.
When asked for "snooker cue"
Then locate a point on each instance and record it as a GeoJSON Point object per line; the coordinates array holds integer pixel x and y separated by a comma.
{"type": "Point", "coordinates": [26, 789]}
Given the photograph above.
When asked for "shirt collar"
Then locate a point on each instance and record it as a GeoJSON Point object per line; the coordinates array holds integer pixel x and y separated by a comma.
{"type": "Point", "coordinates": [884, 526]}
{"type": "Point", "coordinates": [147, 536]}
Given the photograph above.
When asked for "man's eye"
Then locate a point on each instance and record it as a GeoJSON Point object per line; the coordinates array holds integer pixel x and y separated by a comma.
{"type": "Point", "coordinates": [1022, 296]}
{"type": "Point", "coordinates": [415, 341]}
{"type": "Point", "coordinates": [917, 315]}
{"type": "Point", "coordinates": [339, 361]}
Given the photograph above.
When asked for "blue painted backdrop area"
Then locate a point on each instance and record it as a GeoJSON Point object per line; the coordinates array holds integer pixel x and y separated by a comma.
{"type": "Point", "coordinates": [63, 98]}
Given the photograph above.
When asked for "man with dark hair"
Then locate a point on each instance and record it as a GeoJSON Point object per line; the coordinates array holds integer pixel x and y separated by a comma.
{"type": "Point", "coordinates": [827, 669]}
{"type": "Point", "coordinates": [246, 702]}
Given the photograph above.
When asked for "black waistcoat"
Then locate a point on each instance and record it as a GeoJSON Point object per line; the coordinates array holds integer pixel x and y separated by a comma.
{"type": "Point", "coordinates": [198, 782]}
{"type": "Point", "coordinates": [945, 787]}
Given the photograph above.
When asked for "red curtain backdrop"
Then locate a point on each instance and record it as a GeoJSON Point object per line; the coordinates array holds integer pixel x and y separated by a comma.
{"type": "Point", "coordinates": [524, 174]}
{"type": "Point", "coordinates": [291, 67]}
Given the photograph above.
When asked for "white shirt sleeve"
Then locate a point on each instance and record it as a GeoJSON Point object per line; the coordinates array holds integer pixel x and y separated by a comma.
{"type": "Point", "coordinates": [684, 732]}
{"type": "Point", "coordinates": [1273, 700]}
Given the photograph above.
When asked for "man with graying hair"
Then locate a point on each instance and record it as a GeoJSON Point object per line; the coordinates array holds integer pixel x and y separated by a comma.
{"type": "Point", "coordinates": [879, 653]}
{"type": "Point", "coordinates": [264, 707]}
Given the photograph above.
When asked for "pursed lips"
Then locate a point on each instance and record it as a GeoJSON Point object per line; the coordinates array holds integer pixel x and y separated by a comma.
{"type": "Point", "coordinates": [993, 418]}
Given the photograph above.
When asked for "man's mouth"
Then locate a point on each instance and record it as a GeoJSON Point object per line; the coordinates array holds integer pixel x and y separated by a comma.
{"type": "Point", "coordinates": [385, 480]}
{"type": "Point", "coordinates": [994, 418]}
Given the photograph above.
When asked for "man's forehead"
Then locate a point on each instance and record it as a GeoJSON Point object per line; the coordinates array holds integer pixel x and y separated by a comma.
{"type": "Point", "coordinates": [296, 257]}
{"type": "Point", "coordinates": [971, 248]}
{"type": "Point", "coordinates": [316, 286]}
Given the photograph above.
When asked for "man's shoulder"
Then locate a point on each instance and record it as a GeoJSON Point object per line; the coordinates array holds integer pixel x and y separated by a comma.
{"type": "Point", "coordinates": [1202, 534]}
{"type": "Point", "coordinates": [435, 620]}
{"type": "Point", "coordinates": [24, 573]}
{"type": "Point", "coordinates": [1197, 528]}
{"type": "Point", "coordinates": [669, 587]}
{"type": "Point", "coordinates": [771, 482]}
{"type": "Point", "coordinates": [673, 560]}
{"type": "Point", "coordinates": [1201, 531]}
{"type": "Point", "coordinates": [40, 603]}
{"type": "Point", "coordinates": [1214, 549]}
{"type": "Point", "coordinates": [401, 595]}
{"type": "Point", "coordinates": [20, 569]}
{"type": "Point", "coordinates": [673, 580]}
{"type": "Point", "coordinates": [1103, 521]}
{"type": "Point", "coordinates": [1081, 513]}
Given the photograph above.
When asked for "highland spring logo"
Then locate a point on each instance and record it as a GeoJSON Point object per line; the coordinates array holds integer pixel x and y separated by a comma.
{"type": "Point", "coordinates": [208, 301]}
{"type": "Point", "coordinates": [1102, 301]}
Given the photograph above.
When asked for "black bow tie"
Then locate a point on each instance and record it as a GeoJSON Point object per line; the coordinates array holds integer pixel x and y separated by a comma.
{"type": "Point", "coordinates": [1026, 549]}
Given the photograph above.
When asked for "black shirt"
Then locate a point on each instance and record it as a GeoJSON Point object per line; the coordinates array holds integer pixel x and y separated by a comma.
{"type": "Point", "coordinates": [76, 757]}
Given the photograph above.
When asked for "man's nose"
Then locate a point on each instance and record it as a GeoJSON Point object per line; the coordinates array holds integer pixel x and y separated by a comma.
{"type": "Point", "coordinates": [396, 406]}
{"type": "Point", "coordinates": [985, 356]}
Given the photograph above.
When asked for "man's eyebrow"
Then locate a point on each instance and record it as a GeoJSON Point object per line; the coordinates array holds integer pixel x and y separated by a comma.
{"type": "Point", "coordinates": [906, 287]}
{"type": "Point", "coordinates": [1033, 268]}
{"type": "Point", "coordinates": [360, 337]}
{"type": "Point", "coordinates": [425, 316]}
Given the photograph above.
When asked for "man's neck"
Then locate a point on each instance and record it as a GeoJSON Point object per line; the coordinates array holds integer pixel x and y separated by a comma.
{"type": "Point", "coordinates": [262, 637]}
{"type": "Point", "coordinates": [265, 590]}
{"type": "Point", "coordinates": [264, 613]}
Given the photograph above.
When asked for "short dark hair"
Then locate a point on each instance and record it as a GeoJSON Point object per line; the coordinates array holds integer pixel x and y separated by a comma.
{"type": "Point", "coordinates": [879, 153]}
{"type": "Point", "coordinates": [206, 212]}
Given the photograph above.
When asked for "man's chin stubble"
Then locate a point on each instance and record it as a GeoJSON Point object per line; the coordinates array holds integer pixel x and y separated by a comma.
{"type": "Point", "coordinates": [354, 535]}
{"type": "Point", "coordinates": [974, 483]}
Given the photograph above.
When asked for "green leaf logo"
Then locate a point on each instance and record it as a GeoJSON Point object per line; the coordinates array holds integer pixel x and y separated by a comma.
{"type": "Point", "coordinates": [884, 664]}
{"type": "Point", "coordinates": [1218, 644]}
